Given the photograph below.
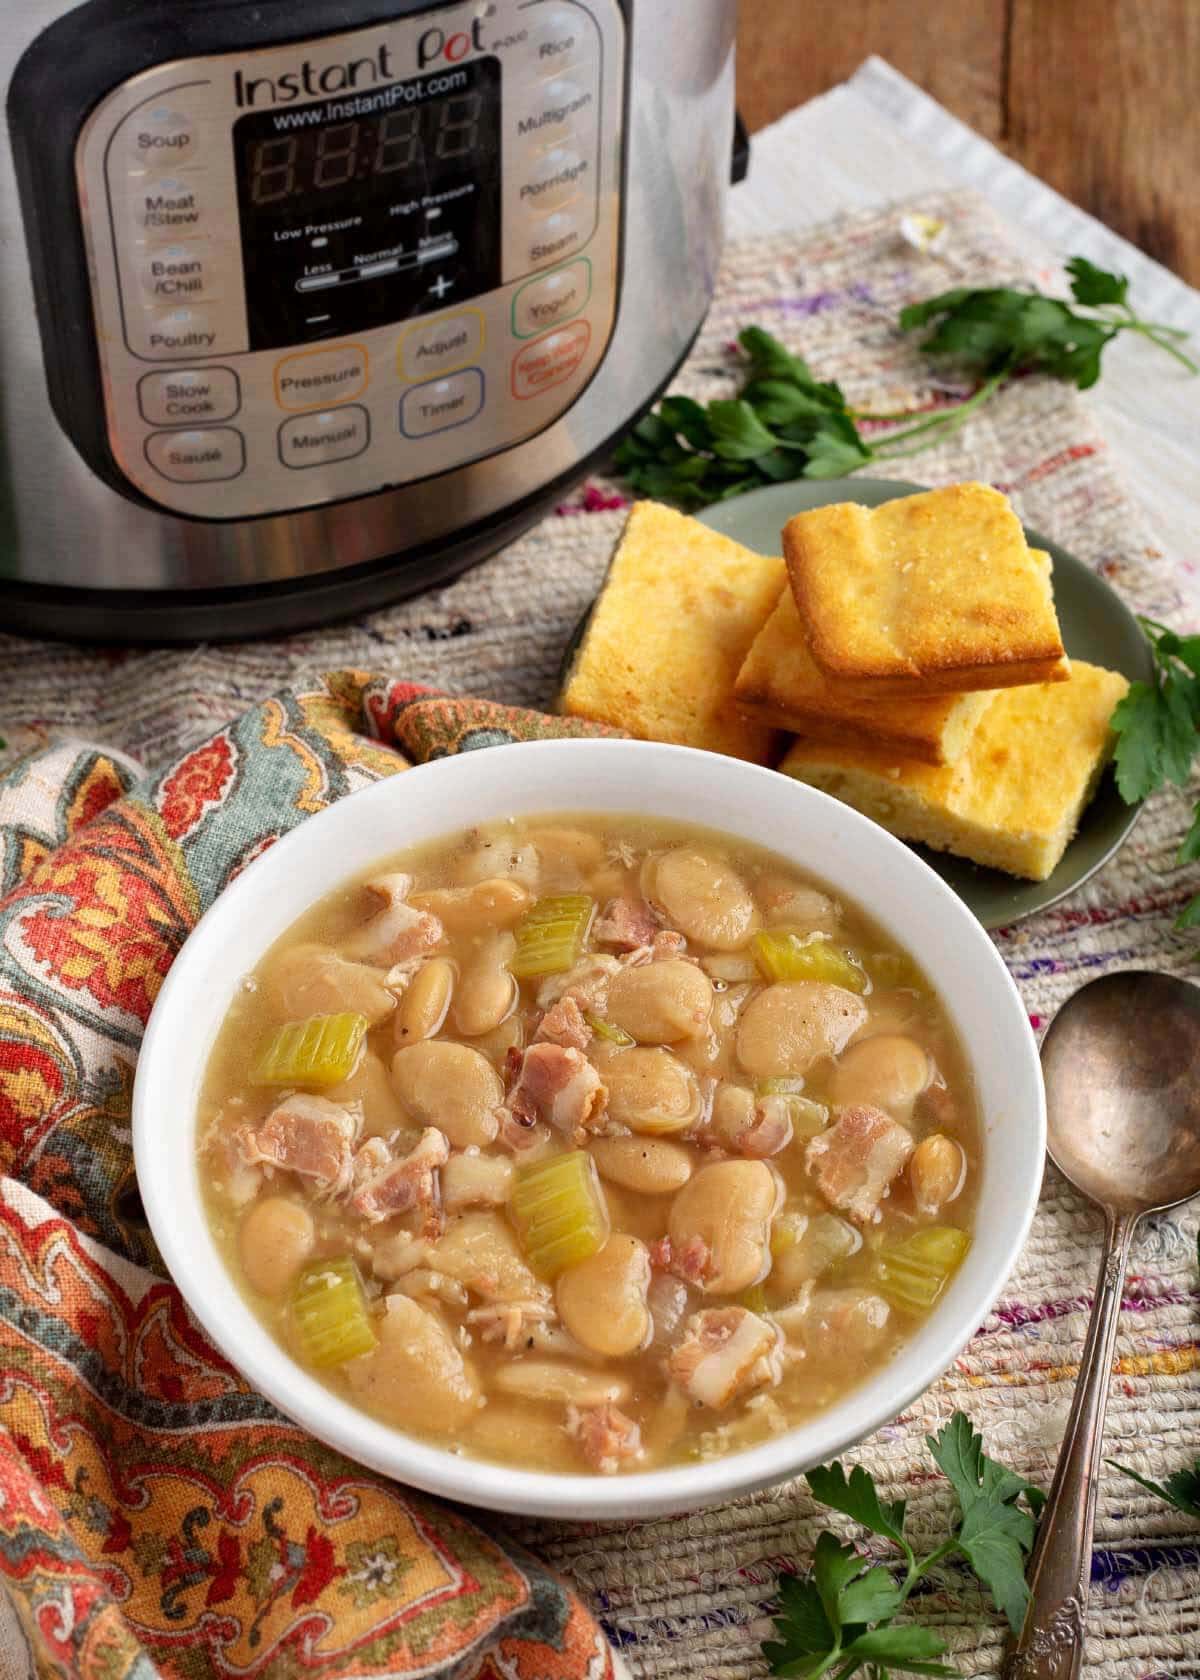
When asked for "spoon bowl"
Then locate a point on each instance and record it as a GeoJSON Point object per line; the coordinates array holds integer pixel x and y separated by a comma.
{"type": "Point", "coordinates": [1121, 1063]}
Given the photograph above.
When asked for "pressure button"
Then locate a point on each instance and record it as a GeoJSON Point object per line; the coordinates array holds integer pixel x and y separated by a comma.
{"type": "Point", "coordinates": [200, 457]}
{"type": "Point", "coordinates": [319, 378]}
{"type": "Point", "coordinates": [189, 395]}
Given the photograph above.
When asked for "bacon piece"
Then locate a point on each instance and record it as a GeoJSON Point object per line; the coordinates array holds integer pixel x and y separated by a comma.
{"type": "Point", "coordinates": [587, 982]}
{"type": "Point", "coordinates": [726, 1351]}
{"type": "Point", "coordinates": [626, 924]}
{"type": "Point", "coordinates": [510, 1322]}
{"type": "Point", "coordinates": [398, 933]}
{"type": "Point", "coordinates": [309, 1136]}
{"type": "Point", "coordinates": [608, 1438]}
{"type": "Point", "coordinates": [560, 1087]}
{"type": "Point", "coordinates": [403, 1183]}
{"type": "Point", "coordinates": [855, 1161]}
{"type": "Point", "coordinates": [692, 1262]}
{"type": "Point", "coordinates": [563, 1024]}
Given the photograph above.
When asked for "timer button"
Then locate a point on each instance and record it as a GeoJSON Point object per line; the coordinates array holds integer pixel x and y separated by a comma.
{"type": "Point", "coordinates": [554, 298]}
{"type": "Point", "coordinates": [160, 134]}
{"type": "Point", "coordinates": [440, 404]}
{"type": "Point", "coordinates": [203, 457]}
{"type": "Point", "coordinates": [555, 109]}
{"type": "Point", "coordinates": [179, 272]}
{"type": "Point", "coordinates": [441, 346]}
{"type": "Point", "coordinates": [557, 177]}
{"type": "Point", "coordinates": [557, 40]}
{"type": "Point", "coordinates": [198, 395]}
{"type": "Point", "coordinates": [549, 360]}
{"type": "Point", "coordinates": [333, 434]}
{"type": "Point", "coordinates": [320, 378]}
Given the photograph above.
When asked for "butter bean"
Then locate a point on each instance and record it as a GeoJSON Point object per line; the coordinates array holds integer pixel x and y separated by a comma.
{"type": "Point", "coordinates": [703, 896]}
{"type": "Point", "coordinates": [424, 1003]}
{"type": "Point", "coordinates": [558, 1383]}
{"type": "Point", "coordinates": [652, 1091]}
{"type": "Point", "coordinates": [275, 1239]}
{"type": "Point", "coordinates": [650, 1166]}
{"type": "Point", "coordinates": [661, 1002]}
{"type": "Point", "coordinates": [496, 903]}
{"type": "Point", "coordinates": [602, 1301]}
{"type": "Point", "coordinates": [487, 992]}
{"type": "Point", "coordinates": [936, 1172]}
{"type": "Point", "coordinates": [788, 1028]}
{"type": "Point", "coordinates": [729, 1206]}
{"type": "Point", "coordinates": [886, 1071]}
{"type": "Point", "coordinates": [416, 1378]}
{"type": "Point", "coordinates": [449, 1086]}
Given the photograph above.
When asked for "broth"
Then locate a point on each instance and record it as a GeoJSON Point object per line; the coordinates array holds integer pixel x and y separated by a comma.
{"type": "Point", "coordinates": [585, 1141]}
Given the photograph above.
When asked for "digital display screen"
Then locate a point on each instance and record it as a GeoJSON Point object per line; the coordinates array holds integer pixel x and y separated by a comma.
{"type": "Point", "coordinates": [370, 208]}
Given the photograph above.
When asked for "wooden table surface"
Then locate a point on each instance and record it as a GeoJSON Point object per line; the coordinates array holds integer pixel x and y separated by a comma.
{"type": "Point", "coordinates": [1100, 99]}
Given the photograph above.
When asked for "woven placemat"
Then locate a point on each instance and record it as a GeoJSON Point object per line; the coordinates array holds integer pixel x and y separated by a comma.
{"type": "Point", "coordinates": [690, 1595]}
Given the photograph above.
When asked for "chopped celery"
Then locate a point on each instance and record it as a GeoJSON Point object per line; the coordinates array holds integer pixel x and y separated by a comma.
{"type": "Point", "coordinates": [787, 1086]}
{"type": "Point", "coordinates": [807, 1117]}
{"type": "Point", "coordinates": [827, 1242]}
{"type": "Point", "coordinates": [551, 936]}
{"type": "Point", "coordinates": [913, 1273]}
{"type": "Point", "coordinates": [892, 971]}
{"type": "Point", "coordinates": [783, 954]}
{"type": "Point", "coordinates": [754, 1299]}
{"type": "Point", "coordinates": [320, 1051]}
{"type": "Point", "coordinates": [787, 1230]}
{"type": "Point", "coordinates": [559, 1211]}
{"type": "Point", "coordinates": [330, 1312]}
{"type": "Point", "coordinates": [609, 1033]}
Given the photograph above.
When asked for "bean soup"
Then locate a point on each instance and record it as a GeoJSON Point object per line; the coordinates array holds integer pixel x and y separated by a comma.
{"type": "Point", "coordinates": [589, 1142]}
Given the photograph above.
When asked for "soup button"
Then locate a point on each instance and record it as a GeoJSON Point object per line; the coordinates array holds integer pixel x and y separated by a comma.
{"type": "Point", "coordinates": [549, 360]}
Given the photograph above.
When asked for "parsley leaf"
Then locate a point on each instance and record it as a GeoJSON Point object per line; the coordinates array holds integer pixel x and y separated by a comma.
{"type": "Point", "coordinates": [1181, 1489]}
{"type": "Point", "coordinates": [857, 1496]}
{"type": "Point", "coordinates": [908, 1647]}
{"type": "Point", "coordinates": [805, 1632]}
{"type": "Point", "coordinates": [996, 1534]}
{"type": "Point", "coordinates": [1092, 286]}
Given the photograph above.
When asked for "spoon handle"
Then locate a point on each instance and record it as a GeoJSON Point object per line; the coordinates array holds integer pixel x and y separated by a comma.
{"type": "Point", "coordinates": [1050, 1646]}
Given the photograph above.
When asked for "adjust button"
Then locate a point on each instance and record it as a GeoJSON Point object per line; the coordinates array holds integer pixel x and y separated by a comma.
{"type": "Point", "coordinates": [198, 395]}
{"type": "Point", "coordinates": [334, 434]}
{"type": "Point", "coordinates": [551, 299]}
{"type": "Point", "coordinates": [557, 177]}
{"type": "Point", "coordinates": [317, 378]}
{"type": "Point", "coordinates": [440, 404]}
{"type": "Point", "coordinates": [197, 457]}
{"type": "Point", "coordinates": [549, 360]}
{"type": "Point", "coordinates": [162, 134]}
{"type": "Point", "coordinates": [441, 346]}
{"type": "Point", "coordinates": [182, 272]}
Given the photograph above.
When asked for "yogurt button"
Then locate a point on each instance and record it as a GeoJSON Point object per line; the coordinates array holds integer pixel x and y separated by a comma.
{"type": "Point", "coordinates": [197, 395]}
{"type": "Point", "coordinates": [541, 304]}
{"type": "Point", "coordinates": [202, 457]}
{"type": "Point", "coordinates": [161, 135]}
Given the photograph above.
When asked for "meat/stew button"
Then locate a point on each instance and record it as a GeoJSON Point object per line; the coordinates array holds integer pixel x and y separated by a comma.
{"type": "Point", "coordinates": [549, 360]}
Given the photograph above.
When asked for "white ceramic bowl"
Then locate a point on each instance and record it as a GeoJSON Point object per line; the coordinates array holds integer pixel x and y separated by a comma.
{"type": "Point", "coordinates": [857, 859]}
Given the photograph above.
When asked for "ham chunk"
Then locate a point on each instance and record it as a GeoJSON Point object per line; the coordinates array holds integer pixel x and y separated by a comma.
{"type": "Point", "coordinates": [726, 1351]}
{"type": "Point", "coordinates": [309, 1136]}
{"type": "Point", "coordinates": [397, 933]}
{"type": "Point", "coordinates": [606, 1436]}
{"type": "Point", "coordinates": [844, 1324]}
{"type": "Point", "coordinates": [559, 1087]}
{"type": "Point", "coordinates": [854, 1162]}
{"type": "Point", "coordinates": [691, 1261]}
{"type": "Point", "coordinates": [563, 1024]}
{"type": "Point", "coordinates": [400, 1184]}
{"type": "Point", "coordinates": [626, 924]}
{"type": "Point", "coordinates": [587, 981]}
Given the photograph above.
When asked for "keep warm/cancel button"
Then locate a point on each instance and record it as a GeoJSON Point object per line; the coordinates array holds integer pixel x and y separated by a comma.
{"type": "Point", "coordinates": [335, 434]}
{"type": "Point", "coordinates": [548, 360]}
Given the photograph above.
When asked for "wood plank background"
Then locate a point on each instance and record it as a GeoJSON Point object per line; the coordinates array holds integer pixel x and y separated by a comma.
{"type": "Point", "coordinates": [1099, 98]}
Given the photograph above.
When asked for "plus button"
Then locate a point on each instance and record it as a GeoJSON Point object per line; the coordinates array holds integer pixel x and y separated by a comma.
{"type": "Point", "coordinates": [441, 286]}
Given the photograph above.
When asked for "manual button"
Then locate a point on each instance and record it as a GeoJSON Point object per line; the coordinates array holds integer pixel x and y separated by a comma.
{"type": "Point", "coordinates": [318, 378]}
{"type": "Point", "coordinates": [195, 394]}
{"type": "Point", "coordinates": [335, 434]}
{"type": "Point", "coordinates": [555, 297]}
{"type": "Point", "coordinates": [201, 457]}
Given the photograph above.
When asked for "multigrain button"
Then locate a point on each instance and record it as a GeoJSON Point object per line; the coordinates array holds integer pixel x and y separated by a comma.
{"type": "Point", "coordinates": [201, 457]}
{"type": "Point", "coordinates": [552, 299]}
{"type": "Point", "coordinates": [442, 346]}
{"type": "Point", "coordinates": [198, 395]}
{"type": "Point", "coordinates": [549, 360]}
{"type": "Point", "coordinates": [554, 110]}
{"type": "Point", "coordinates": [440, 404]}
{"type": "Point", "coordinates": [182, 271]}
{"type": "Point", "coordinates": [554, 179]}
{"type": "Point", "coordinates": [319, 378]}
{"type": "Point", "coordinates": [162, 134]}
{"type": "Point", "coordinates": [333, 434]}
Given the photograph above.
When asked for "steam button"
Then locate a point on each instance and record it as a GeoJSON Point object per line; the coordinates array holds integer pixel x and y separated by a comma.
{"type": "Point", "coordinates": [161, 136]}
{"type": "Point", "coordinates": [201, 457]}
{"type": "Point", "coordinates": [556, 236]}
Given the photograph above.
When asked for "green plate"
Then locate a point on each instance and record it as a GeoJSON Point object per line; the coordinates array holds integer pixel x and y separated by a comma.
{"type": "Point", "coordinates": [1096, 626]}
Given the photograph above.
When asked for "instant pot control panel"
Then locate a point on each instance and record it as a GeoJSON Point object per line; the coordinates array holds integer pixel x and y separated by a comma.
{"type": "Point", "coordinates": [350, 262]}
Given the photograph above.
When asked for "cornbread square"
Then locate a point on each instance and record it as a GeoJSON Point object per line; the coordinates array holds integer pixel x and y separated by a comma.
{"type": "Point", "coordinates": [1013, 801]}
{"type": "Point", "coordinates": [678, 612]}
{"type": "Point", "coordinates": [780, 683]}
{"type": "Point", "coordinates": [933, 592]}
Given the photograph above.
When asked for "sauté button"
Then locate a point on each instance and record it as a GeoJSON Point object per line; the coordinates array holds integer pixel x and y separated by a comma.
{"type": "Point", "coordinates": [165, 206]}
{"type": "Point", "coordinates": [441, 346]}
{"type": "Point", "coordinates": [441, 403]}
{"type": "Point", "coordinates": [195, 394]}
{"type": "Point", "coordinates": [162, 134]}
{"type": "Point", "coordinates": [181, 271]}
{"type": "Point", "coordinates": [557, 39]}
{"type": "Point", "coordinates": [201, 457]}
{"type": "Point", "coordinates": [333, 434]}
{"type": "Point", "coordinates": [555, 110]}
{"type": "Point", "coordinates": [558, 235]}
{"type": "Point", "coordinates": [554, 179]}
{"type": "Point", "coordinates": [551, 299]}
{"type": "Point", "coordinates": [549, 360]}
{"type": "Point", "coordinates": [319, 378]}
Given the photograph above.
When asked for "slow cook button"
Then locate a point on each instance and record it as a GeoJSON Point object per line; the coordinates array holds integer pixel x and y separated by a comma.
{"type": "Point", "coordinates": [317, 378]}
{"type": "Point", "coordinates": [201, 457]}
{"type": "Point", "coordinates": [179, 272]}
{"type": "Point", "coordinates": [552, 299]}
{"type": "Point", "coordinates": [441, 346]}
{"type": "Point", "coordinates": [335, 434]}
{"type": "Point", "coordinates": [196, 394]}
{"type": "Point", "coordinates": [549, 360]}
{"type": "Point", "coordinates": [162, 134]}
{"type": "Point", "coordinates": [556, 177]}
{"type": "Point", "coordinates": [441, 403]}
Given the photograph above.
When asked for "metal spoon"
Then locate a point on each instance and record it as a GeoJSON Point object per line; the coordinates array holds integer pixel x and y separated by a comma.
{"type": "Point", "coordinates": [1122, 1067]}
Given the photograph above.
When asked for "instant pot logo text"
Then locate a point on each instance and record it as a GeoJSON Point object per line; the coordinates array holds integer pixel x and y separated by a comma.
{"type": "Point", "coordinates": [310, 81]}
{"type": "Point", "coordinates": [436, 47]}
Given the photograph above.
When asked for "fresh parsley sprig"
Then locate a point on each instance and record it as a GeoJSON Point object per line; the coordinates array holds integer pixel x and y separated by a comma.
{"type": "Point", "coordinates": [840, 1618]}
{"type": "Point", "coordinates": [1181, 1488]}
{"type": "Point", "coordinates": [785, 423]}
{"type": "Point", "coordinates": [1157, 726]}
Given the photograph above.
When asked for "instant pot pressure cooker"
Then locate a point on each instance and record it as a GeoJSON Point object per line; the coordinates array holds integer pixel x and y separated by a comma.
{"type": "Point", "coordinates": [309, 304]}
